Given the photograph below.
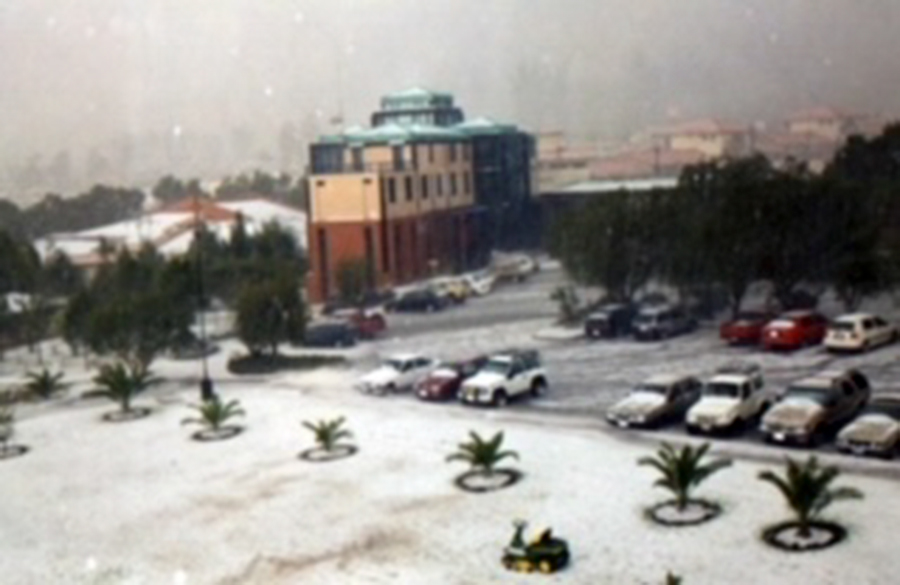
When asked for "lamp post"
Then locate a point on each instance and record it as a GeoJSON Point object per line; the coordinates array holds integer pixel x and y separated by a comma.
{"type": "Point", "coordinates": [207, 392]}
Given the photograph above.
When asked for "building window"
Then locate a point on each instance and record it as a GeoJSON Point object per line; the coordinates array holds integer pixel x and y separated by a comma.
{"type": "Point", "coordinates": [408, 183]}
{"type": "Point", "coordinates": [431, 153]}
{"type": "Point", "coordinates": [369, 239]}
{"type": "Point", "coordinates": [452, 183]}
{"type": "Point", "coordinates": [392, 189]}
{"type": "Point", "coordinates": [465, 151]}
{"type": "Point", "coordinates": [452, 152]}
{"type": "Point", "coordinates": [367, 181]}
{"type": "Point", "coordinates": [320, 183]}
{"type": "Point", "coordinates": [398, 157]}
{"type": "Point", "coordinates": [467, 183]}
{"type": "Point", "coordinates": [357, 154]}
{"type": "Point", "coordinates": [439, 184]}
{"type": "Point", "coordinates": [424, 186]}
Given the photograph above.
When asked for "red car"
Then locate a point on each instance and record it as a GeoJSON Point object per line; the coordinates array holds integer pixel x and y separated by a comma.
{"type": "Point", "coordinates": [369, 323]}
{"type": "Point", "coordinates": [745, 328]}
{"type": "Point", "coordinates": [794, 329]}
{"type": "Point", "coordinates": [443, 383]}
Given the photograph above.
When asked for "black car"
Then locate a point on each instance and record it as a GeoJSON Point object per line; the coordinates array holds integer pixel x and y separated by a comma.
{"type": "Point", "coordinates": [612, 320]}
{"type": "Point", "coordinates": [330, 334]}
{"type": "Point", "coordinates": [420, 300]}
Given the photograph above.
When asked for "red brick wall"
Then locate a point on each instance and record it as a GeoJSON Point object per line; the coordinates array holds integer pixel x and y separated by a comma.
{"type": "Point", "coordinates": [434, 236]}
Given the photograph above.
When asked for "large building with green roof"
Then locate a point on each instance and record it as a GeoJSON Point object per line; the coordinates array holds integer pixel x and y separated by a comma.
{"type": "Point", "coordinates": [418, 192]}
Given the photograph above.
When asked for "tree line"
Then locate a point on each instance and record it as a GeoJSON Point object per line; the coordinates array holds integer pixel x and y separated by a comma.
{"type": "Point", "coordinates": [139, 304]}
{"type": "Point", "coordinates": [731, 223]}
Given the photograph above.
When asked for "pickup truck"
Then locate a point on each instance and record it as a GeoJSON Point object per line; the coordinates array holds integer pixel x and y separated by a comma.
{"type": "Point", "coordinates": [505, 376]}
{"type": "Point", "coordinates": [732, 398]}
{"type": "Point", "coordinates": [397, 372]}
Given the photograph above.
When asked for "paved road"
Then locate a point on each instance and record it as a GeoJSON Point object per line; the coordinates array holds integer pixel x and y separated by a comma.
{"type": "Point", "coordinates": [508, 303]}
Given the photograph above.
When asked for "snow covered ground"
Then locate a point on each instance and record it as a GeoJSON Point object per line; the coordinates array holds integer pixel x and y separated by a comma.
{"type": "Point", "coordinates": [140, 503]}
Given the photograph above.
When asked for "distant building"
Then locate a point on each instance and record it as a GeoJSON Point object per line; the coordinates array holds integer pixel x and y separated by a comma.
{"type": "Point", "coordinates": [713, 138]}
{"type": "Point", "coordinates": [559, 162]}
{"type": "Point", "coordinates": [418, 192]}
{"type": "Point", "coordinates": [823, 122]}
{"type": "Point", "coordinates": [171, 230]}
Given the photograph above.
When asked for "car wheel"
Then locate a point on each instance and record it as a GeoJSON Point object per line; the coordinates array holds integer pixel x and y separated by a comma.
{"type": "Point", "coordinates": [538, 387]}
{"type": "Point", "coordinates": [500, 398]}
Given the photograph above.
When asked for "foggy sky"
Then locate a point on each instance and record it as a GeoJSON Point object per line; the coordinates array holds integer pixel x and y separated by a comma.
{"type": "Point", "coordinates": [79, 73]}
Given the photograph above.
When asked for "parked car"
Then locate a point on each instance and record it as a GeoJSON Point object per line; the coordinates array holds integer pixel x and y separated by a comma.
{"type": "Point", "coordinates": [876, 431]}
{"type": "Point", "coordinates": [396, 373]}
{"type": "Point", "coordinates": [421, 300]}
{"type": "Point", "coordinates": [660, 399]}
{"type": "Point", "coordinates": [512, 267]}
{"type": "Point", "coordinates": [859, 332]}
{"type": "Point", "coordinates": [733, 397]}
{"type": "Point", "coordinates": [814, 406]}
{"type": "Point", "coordinates": [480, 283]}
{"type": "Point", "coordinates": [793, 330]}
{"type": "Point", "coordinates": [332, 333]}
{"type": "Point", "coordinates": [506, 376]}
{"type": "Point", "coordinates": [369, 323]}
{"type": "Point", "coordinates": [610, 320]}
{"type": "Point", "coordinates": [662, 321]}
{"type": "Point", "coordinates": [456, 289]}
{"type": "Point", "coordinates": [444, 382]}
{"type": "Point", "coordinates": [745, 328]}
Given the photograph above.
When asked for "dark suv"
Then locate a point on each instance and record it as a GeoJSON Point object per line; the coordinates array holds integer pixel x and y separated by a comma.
{"type": "Point", "coordinates": [661, 321]}
{"type": "Point", "coordinates": [611, 320]}
{"type": "Point", "coordinates": [425, 300]}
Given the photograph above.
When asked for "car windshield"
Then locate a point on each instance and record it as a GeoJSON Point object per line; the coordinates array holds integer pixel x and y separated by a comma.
{"type": "Point", "coordinates": [645, 319]}
{"type": "Point", "coordinates": [396, 364]}
{"type": "Point", "coordinates": [887, 408]}
{"type": "Point", "coordinates": [497, 367]}
{"type": "Point", "coordinates": [841, 326]}
{"type": "Point", "coordinates": [722, 389]}
{"type": "Point", "coordinates": [818, 395]}
{"type": "Point", "coordinates": [653, 389]}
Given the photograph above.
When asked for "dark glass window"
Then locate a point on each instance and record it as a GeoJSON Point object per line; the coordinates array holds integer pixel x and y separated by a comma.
{"type": "Point", "coordinates": [392, 189]}
{"type": "Point", "coordinates": [408, 183]}
{"type": "Point", "coordinates": [424, 186]}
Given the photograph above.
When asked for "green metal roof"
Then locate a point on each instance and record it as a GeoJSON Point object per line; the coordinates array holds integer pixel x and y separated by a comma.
{"type": "Point", "coordinates": [480, 126]}
{"type": "Point", "coordinates": [395, 134]}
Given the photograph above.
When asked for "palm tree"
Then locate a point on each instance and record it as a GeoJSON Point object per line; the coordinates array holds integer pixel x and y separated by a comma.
{"type": "Point", "coordinates": [482, 455]}
{"type": "Point", "coordinates": [44, 383]}
{"type": "Point", "coordinates": [214, 413]}
{"type": "Point", "coordinates": [682, 470]}
{"type": "Point", "coordinates": [121, 383]}
{"type": "Point", "coordinates": [7, 427]}
{"type": "Point", "coordinates": [328, 433]}
{"type": "Point", "coordinates": [806, 487]}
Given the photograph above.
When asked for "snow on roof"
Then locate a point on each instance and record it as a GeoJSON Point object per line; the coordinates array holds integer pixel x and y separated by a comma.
{"type": "Point", "coordinates": [664, 379]}
{"type": "Point", "coordinates": [705, 126]}
{"type": "Point", "coordinates": [820, 114]}
{"type": "Point", "coordinates": [613, 186]}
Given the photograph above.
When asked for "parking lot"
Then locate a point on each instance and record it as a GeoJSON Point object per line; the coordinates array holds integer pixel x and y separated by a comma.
{"type": "Point", "coordinates": [586, 377]}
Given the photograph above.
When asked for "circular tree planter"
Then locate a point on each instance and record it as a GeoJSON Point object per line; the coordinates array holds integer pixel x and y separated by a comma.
{"type": "Point", "coordinates": [117, 416]}
{"type": "Point", "coordinates": [219, 434]}
{"type": "Point", "coordinates": [13, 451]}
{"type": "Point", "coordinates": [479, 482]}
{"type": "Point", "coordinates": [320, 455]}
{"type": "Point", "coordinates": [696, 512]}
{"type": "Point", "coordinates": [786, 536]}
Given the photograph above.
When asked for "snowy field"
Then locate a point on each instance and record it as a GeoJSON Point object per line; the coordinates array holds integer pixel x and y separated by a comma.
{"type": "Point", "coordinates": [140, 503]}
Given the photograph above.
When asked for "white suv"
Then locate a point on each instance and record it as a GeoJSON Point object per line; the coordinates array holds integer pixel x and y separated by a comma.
{"type": "Point", "coordinates": [734, 396]}
{"type": "Point", "coordinates": [398, 372]}
{"type": "Point", "coordinates": [505, 376]}
{"type": "Point", "coordinates": [858, 332]}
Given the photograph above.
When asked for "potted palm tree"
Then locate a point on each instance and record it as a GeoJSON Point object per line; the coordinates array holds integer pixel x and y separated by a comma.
{"type": "Point", "coordinates": [328, 435]}
{"type": "Point", "coordinates": [681, 471]}
{"type": "Point", "coordinates": [807, 489]}
{"type": "Point", "coordinates": [44, 383]}
{"type": "Point", "coordinates": [121, 383]}
{"type": "Point", "coordinates": [214, 415]}
{"type": "Point", "coordinates": [7, 430]}
{"type": "Point", "coordinates": [483, 456]}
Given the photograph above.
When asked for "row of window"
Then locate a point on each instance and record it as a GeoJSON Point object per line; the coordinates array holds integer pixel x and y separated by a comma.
{"type": "Point", "coordinates": [442, 183]}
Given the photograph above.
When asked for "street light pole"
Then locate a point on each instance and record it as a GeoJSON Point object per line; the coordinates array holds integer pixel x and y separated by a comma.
{"type": "Point", "coordinates": [207, 392]}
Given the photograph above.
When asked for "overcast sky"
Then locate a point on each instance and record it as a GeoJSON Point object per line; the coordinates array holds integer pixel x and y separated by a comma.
{"type": "Point", "coordinates": [74, 73]}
